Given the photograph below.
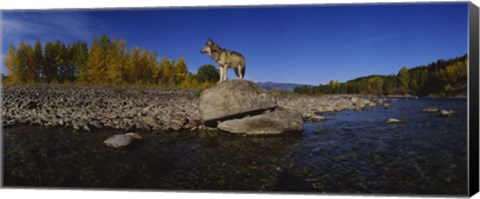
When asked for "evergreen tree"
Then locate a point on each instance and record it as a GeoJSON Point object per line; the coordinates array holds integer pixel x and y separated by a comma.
{"type": "Point", "coordinates": [79, 58]}
{"type": "Point", "coordinates": [49, 64]}
{"type": "Point", "coordinates": [39, 60]}
{"type": "Point", "coordinates": [63, 70]}
{"type": "Point", "coordinates": [207, 73]}
{"type": "Point", "coordinates": [404, 77]}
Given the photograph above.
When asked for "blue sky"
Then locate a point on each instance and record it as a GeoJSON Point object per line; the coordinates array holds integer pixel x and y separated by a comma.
{"type": "Point", "coordinates": [300, 44]}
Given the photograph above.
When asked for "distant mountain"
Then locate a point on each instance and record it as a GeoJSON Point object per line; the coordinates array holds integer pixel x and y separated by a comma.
{"type": "Point", "coordinates": [285, 87]}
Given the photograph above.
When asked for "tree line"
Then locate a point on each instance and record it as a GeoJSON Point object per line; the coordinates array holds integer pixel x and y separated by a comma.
{"type": "Point", "coordinates": [443, 77]}
{"type": "Point", "coordinates": [107, 61]}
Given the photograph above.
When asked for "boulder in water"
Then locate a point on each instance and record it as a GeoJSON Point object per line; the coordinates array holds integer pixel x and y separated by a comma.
{"type": "Point", "coordinates": [121, 140]}
{"type": "Point", "coordinates": [280, 120]}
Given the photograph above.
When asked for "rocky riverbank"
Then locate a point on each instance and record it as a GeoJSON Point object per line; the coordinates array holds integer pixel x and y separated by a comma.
{"type": "Point", "coordinates": [312, 106]}
{"type": "Point", "coordinates": [88, 108]}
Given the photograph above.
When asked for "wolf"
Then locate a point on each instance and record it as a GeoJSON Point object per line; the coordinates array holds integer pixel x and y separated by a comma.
{"type": "Point", "coordinates": [225, 59]}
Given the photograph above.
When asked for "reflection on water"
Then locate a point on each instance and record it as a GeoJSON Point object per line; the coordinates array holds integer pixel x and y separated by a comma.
{"type": "Point", "coordinates": [351, 152]}
{"type": "Point", "coordinates": [177, 160]}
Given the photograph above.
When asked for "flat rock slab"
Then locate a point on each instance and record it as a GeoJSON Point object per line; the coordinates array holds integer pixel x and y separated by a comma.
{"type": "Point", "coordinates": [233, 99]}
{"type": "Point", "coordinates": [281, 120]}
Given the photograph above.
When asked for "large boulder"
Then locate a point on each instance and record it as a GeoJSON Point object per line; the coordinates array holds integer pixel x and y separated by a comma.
{"type": "Point", "coordinates": [280, 120]}
{"type": "Point", "coordinates": [233, 99]}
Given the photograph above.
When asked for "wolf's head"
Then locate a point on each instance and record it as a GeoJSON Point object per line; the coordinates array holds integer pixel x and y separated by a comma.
{"type": "Point", "coordinates": [208, 47]}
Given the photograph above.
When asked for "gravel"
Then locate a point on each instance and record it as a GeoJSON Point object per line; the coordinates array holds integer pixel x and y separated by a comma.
{"type": "Point", "coordinates": [87, 108]}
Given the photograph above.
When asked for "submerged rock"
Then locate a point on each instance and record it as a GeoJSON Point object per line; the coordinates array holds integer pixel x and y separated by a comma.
{"type": "Point", "coordinates": [393, 121]}
{"type": "Point", "coordinates": [122, 140]}
{"type": "Point", "coordinates": [430, 109]}
{"type": "Point", "coordinates": [386, 105]}
{"type": "Point", "coordinates": [313, 117]}
{"type": "Point", "coordinates": [444, 112]}
{"type": "Point", "coordinates": [234, 98]}
{"type": "Point", "coordinates": [279, 121]}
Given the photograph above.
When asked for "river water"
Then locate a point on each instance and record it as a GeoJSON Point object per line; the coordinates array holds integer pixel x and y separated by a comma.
{"type": "Point", "coordinates": [351, 152]}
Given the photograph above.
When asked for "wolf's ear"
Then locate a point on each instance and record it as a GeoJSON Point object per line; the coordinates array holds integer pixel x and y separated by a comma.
{"type": "Point", "coordinates": [210, 41]}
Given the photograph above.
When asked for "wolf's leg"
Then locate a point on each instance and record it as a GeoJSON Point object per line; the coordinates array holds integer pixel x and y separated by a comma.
{"type": "Point", "coordinates": [225, 75]}
{"type": "Point", "coordinates": [221, 74]}
{"type": "Point", "coordinates": [240, 76]}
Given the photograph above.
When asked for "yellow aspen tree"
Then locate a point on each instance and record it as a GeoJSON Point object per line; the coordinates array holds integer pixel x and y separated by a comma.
{"type": "Point", "coordinates": [11, 62]}
{"type": "Point", "coordinates": [114, 62]}
{"type": "Point", "coordinates": [136, 70]}
{"type": "Point", "coordinates": [181, 71]}
{"type": "Point", "coordinates": [95, 62]}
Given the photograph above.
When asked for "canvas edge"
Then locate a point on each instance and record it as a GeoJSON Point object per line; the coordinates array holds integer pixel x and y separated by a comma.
{"type": "Point", "coordinates": [473, 97]}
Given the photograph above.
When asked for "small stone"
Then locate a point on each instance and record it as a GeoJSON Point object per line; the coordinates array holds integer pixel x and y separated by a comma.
{"type": "Point", "coordinates": [97, 124]}
{"type": "Point", "coordinates": [143, 125]}
{"type": "Point", "coordinates": [172, 126]}
{"type": "Point", "coordinates": [354, 99]}
{"type": "Point", "coordinates": [75, 125]}
{"type": "Point", "coordinates": [83, 125]}
{"type": "Point", "coordinates": [150, 121]}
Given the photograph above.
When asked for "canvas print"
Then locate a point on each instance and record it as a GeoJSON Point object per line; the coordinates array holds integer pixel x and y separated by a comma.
{"type": "Point", "coordinates": [339, 99]}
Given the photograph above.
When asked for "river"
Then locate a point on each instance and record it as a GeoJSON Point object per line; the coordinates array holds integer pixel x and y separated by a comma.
{"type": "Point", "coordinates": [351, 152]}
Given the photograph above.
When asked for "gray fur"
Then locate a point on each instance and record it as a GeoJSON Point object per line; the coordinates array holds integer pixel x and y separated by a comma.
{"type": "Point", "coordinates": [225, 59]}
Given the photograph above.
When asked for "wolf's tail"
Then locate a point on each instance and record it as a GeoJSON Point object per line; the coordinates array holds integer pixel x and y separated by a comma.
{"type": "Point", "coordinates": [243, 71]}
